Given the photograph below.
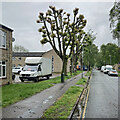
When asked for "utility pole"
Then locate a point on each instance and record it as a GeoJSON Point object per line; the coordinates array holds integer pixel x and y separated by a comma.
{"type": "Point", "coordinates": [82, 61]}
{"type": "Point", "coordinates": [110, 59]}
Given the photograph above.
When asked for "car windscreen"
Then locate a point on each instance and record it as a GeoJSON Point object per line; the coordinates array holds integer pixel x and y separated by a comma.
{"type": "Point", "coordinates": [108, 68]}
{"type": "Point", "coordinates": [30, 68]}
{"type": "Point", "coordinates": [113, 70]}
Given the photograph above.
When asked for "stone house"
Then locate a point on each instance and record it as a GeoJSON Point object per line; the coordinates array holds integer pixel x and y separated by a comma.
{"type": "Point", "coordinates": [5, 55]}
{"type": "Point", "coordinates": [117, 67]}
{"type": "Point", "coordinates": [19, 59]}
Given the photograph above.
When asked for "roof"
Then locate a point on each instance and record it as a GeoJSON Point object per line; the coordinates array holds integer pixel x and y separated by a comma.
{"type": "Point", "coordinates": [27, 54]}
{"type": "Point", "coordinates": [2, 26]}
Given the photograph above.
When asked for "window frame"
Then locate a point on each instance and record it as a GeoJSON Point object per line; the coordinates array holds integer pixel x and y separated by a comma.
{"type": "Point", "coordinates": [3, 37]}
{"type": "Point", "coordinates": [3, 65]}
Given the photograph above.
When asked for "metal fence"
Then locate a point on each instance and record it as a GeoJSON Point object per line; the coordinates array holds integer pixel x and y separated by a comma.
{"type": "Point", "coordinates": [79, 109]}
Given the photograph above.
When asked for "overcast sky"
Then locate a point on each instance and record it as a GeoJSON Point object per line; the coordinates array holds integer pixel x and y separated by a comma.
{"type": "Point", "coordinates": [22, 16]}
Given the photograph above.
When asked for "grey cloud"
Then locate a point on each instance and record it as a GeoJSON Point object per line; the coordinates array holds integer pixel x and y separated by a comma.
{"type": "Point", "coordinates": [22, 18]}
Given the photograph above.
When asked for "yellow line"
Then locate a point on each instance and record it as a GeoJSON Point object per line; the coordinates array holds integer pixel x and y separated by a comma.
{"type": "Point", "coordinates": [86, 99]}
{"type": "Point", "coordinates": [86, 103]}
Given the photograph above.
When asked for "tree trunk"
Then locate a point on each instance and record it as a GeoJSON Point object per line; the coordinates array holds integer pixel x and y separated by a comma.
{"type": "Point", "coordinates": [81, 67]}
{"type": "Point", "coordinates": [75, 63]}
{"type": "Point", "coordinates": [71, 66]}
{"type": "Point", "coordinates": [64, 69]}
{"type": "Point", "coordinates": [89, 67]}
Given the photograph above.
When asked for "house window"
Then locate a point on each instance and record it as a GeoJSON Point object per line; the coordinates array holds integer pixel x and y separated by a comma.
{"type": "Point", "coordinates": [2, 69]}
{"type": "Point", "coordinates": [2, 39]}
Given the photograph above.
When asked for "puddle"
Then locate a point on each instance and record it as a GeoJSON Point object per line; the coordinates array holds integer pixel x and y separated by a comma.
{"type": "Point", "coordinates": [45, 101]}
{"type": "Point", "coordinates": [50, 97]}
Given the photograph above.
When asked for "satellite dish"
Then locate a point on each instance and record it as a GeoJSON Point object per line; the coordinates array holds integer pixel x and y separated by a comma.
{"type": "Point", "coordinates": [13, 39]}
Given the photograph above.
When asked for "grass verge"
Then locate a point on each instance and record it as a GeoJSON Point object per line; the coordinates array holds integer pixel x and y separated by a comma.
{"type": "Point", "coordinates": [63, 106]}
{"type": "Point", "coordinates": [118, 73]}
{"type": "Point", "coordinates": [15, 92]}
{"type": "Point", "coordinates": [82, 81]}
{"type": "Point", "coordinates": [88, 73]}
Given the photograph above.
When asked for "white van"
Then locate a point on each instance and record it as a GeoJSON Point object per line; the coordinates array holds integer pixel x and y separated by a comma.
{"type": "Point", "coordinates": [102, 68]}
{"type": "Point", "coordinates": [107, 68]}
{"type": "Point", "coordinates": [35, 68]}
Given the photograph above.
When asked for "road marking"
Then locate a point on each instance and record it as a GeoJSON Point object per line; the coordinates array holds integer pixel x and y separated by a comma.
{"type": "Point", "coordinates": [86, 103]}
{"type": "Point", "coordinates": [84, 112]}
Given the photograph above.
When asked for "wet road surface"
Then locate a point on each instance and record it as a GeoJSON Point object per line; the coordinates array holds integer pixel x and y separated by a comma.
{"type": "Point", "coordinates": [34, 106]}
{"type": "Point", "coordinates": [103, 97]}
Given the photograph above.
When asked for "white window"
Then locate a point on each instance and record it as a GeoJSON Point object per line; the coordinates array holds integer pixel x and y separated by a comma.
{"type": "Point", "coordinates": [2, 39]}
{"type": "Point", "coordinates": [2, 69]}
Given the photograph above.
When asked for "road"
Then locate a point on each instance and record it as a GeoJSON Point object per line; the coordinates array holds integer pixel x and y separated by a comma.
{"type": "Point", "coordinates": [34, 106]}
{"type": "Point", "coordinates": [103, 97]}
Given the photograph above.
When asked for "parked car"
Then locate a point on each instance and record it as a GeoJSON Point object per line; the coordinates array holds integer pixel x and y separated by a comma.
{"type": "Point", "coordinates": [78, 67]}
{"type": "Point", "coordinates": [17, 69]}
{"type": "Point", "coordinates": [102, 68]}
{"type": "Point", "coordinates": [107, 69]}
{"type": "Point", "coordinates": [113, 72]}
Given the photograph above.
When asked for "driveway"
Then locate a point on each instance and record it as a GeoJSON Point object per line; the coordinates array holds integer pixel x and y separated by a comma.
{"type": "Point", "coordinates": [103, 98]}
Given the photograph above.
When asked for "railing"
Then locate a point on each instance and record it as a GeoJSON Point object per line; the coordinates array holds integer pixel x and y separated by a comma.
{"type": "Point", "coordinates": [79, 109]}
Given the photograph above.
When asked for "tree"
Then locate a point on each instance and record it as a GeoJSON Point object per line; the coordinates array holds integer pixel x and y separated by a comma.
{"type": "Point", "coordinates": [59, 31]}
{"type": "Point", "coordinates": [110, 54]}
{"type": "Point", "coordinates": [114, 18]}
{"type": "Point", "coordinates": [19, 48]}
{"type": "Point", "coordinates": [89, 52]}
{"type": "Point", "coordinates": [90, 55]}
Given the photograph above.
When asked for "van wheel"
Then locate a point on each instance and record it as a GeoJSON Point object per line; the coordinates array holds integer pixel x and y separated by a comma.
{"type": "Point", "coordinates": [22, 80]}
{"type": "Point", "coordinates": [19, 72]}
{"type": "Point", "coordinates": [47, 77]}
{"type": "Point", "coordinates": [36, 80]}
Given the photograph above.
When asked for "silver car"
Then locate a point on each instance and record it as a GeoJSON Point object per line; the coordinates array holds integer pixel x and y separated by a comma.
{"type": "Point", "coordinates": [113, 72]}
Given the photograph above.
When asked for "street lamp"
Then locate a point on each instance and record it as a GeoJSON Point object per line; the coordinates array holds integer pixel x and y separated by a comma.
{"type": "Point", "coordinates": [110, 59]}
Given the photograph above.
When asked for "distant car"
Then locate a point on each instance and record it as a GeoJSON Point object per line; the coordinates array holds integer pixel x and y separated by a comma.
{"type": "Point", "coordinates": [107, 69]}
{"type": "Point", "coordinates": [17, 69]}
{"type": "Point", "coordinates": [113, 72]}
{"type": "Point", "coordinates": [102, 68]}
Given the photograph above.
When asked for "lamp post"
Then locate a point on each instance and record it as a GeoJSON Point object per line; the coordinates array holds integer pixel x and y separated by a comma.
{"type": "Point", "coordinates": [82, 62]}
{"type": "Point", "coordinates": [110, 59]}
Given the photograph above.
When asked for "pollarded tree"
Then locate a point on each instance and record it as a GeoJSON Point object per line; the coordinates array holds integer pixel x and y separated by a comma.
{"type": "Point", "coordinates": [83, 40]}
{"type": "Point", "coordinates": [58, 31]}
{"type": "Point", "coordinates": [114, 18]}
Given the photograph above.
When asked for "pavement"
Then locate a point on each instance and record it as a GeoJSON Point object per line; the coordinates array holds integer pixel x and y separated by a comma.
{"type": "Point", "coordinates": [34, 106]}
{"type": "Point", "coordinates": [103, 97]}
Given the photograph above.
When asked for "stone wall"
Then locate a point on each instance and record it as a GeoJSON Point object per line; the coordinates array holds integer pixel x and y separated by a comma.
{"type": "Point", "coordinates": [6, 55]}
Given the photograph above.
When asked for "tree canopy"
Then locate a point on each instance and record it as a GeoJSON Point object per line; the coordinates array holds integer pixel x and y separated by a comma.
{"type": "Point", "coordinates": [114, 17]}
{"type": "Point", "coordinates": [61, 32]}
{"type": "Point", "coordinates": [109, 54]}
{"type": "Point", "coordinates": [19, 48]}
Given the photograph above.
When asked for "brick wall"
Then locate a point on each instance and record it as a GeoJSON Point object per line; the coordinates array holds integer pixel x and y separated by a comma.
{"type": "Point", "coordinates": [6, 55]}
